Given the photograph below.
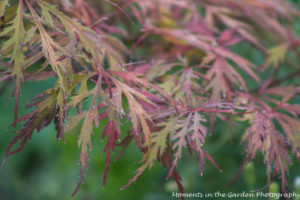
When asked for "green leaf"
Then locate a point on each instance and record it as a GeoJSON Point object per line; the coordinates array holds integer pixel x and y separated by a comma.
{"type": "Point", "coordinates": [3, 5]}
{"type": "Point", "coordinates": [14, 44]}
{"type": "Point", "coordinates": [87, 37]}
{"type": "Point", "coordinates": [52, 50]}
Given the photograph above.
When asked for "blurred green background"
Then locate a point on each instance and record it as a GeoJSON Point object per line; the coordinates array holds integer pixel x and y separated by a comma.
{"type": "Point", "coordinates": [47, 169]}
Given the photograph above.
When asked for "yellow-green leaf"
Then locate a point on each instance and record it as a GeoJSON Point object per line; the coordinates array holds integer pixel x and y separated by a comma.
{"type": "Point", "coordinates": [277, 55]}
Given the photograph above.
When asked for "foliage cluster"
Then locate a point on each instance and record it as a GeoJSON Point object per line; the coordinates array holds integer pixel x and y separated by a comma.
{"type": "Point", "coordinates": [169, 68]}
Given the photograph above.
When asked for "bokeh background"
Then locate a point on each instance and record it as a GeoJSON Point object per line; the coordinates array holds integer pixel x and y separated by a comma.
{"type": "Point", "coordinates": [47, 169]}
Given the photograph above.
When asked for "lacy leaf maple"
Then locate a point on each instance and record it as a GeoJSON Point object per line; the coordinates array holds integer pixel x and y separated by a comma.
{"type": "Point", "coordinates": [188, 76]}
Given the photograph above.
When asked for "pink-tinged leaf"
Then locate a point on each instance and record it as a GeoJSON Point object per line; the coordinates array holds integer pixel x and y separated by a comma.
{"type": "Point", "coordinates": [226, 36]}
{"type": "Point", "coordinates": [223, 78]}
{"type": "Point", "coordinates": [240, 61]}
{"type": "Point", "coordinates": [112, 136]}
{"type": "Point", "coordinates": [262, 136]}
